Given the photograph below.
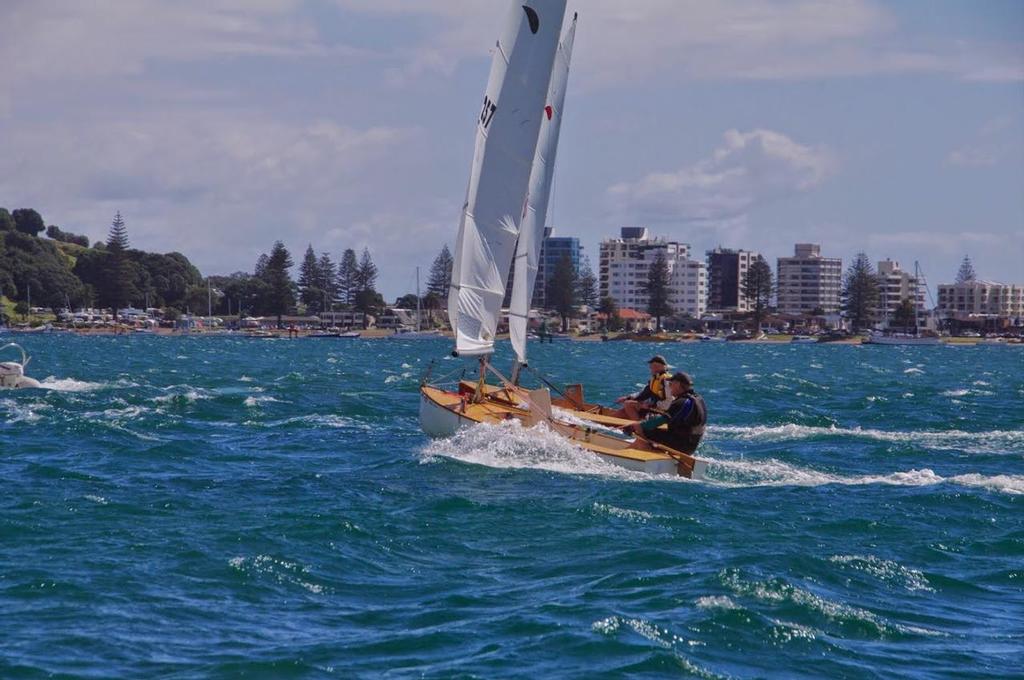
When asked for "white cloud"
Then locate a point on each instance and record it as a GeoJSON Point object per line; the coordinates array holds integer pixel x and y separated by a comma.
{"type": "Point", "coordinates": [77, 41]}
{"type": "Point", "coordinates": [749, 169]}
{"type": "Point", "coordinates": [667, 41]}
{"type": "Point", "coordinates": [201, 182]}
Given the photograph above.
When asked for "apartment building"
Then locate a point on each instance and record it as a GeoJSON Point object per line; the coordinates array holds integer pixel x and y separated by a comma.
{"type": "Point", "coordinates": [894, 286]}
{"type": "Point", "coordinates": [552, 249]}
{"type": "Point", "coordinates": [727, 270]}
{"type": "Point", "coordinates": [624, 265]}
{"type": "Point", "coordinates": [981, 299]}
{"type": "Point", "coordinates": [807, 281]}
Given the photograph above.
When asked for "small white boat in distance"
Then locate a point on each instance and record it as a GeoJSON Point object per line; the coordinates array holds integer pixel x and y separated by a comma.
{"type": "Point", "coordinates": [803, 340]}
{"type": "Point", "coordinates": [408, 334]}
{"type": "Point", "coordinates": [12, 373]}
{"type": "Point", "coordinates": [877, 338]}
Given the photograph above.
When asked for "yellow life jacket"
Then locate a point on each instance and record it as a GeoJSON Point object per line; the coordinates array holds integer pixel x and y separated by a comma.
{"type": "Point", "coordinates": [658, 385]}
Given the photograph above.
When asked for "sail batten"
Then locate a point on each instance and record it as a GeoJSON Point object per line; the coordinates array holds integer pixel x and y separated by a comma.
{"type": "Point", "coordinates": [531, 233]}
{"type": "Point", "coordinates": [507, 129]}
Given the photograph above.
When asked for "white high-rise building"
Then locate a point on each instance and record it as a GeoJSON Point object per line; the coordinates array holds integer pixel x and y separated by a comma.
{"type": "Point", "coordinates": [895, 286]}
{"type": "Point", "coordinates": [624, 263]}
{"type": "Point", "coordinates": [981, 299]}
{"type": "Point", "coordinates": [808, 281]}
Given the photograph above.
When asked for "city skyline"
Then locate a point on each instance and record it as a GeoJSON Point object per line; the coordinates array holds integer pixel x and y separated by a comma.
{"type": "Point", "coordinates": [216, 128]}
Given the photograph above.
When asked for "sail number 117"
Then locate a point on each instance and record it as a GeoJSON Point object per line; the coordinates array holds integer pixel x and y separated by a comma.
{"type": "Point", "coordinates": [487, 113]}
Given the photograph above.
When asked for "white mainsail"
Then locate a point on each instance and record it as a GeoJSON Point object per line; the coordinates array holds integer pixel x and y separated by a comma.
{"type": "Point", "coordinates": [531, 232]}
{"type": "Point", "coordinates": [506, 138]}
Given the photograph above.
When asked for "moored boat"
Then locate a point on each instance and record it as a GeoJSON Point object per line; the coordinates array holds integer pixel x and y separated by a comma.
{"type": "Point", "coordinates": [12, 373]}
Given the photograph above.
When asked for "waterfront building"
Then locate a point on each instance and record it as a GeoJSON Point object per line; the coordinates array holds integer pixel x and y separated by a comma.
{"type": "Point", "coordinates": [981, 299]}
{"type": "Point", "coordinates": [552, 249]}
{"type": "Point", "coordinates": [895, 286]}
{"type": "Point", "coordinates": [727, 270]}
{"type": "Point", "coordinates": [624, 263]}
{"type": "Point", "coordinates": [807, 281]}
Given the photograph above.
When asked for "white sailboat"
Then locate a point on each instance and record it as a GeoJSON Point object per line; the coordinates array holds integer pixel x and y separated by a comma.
{"type": "Point", "coordinates": [419, 333]}
{"type": "Point", "coordinates": [506, 203]}
{"type": "Point", "coordinates": [880, 338]}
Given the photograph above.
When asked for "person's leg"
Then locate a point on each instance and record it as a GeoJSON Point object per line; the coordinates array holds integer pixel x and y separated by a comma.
{"type": "Point", "coordinates": [631, 409]}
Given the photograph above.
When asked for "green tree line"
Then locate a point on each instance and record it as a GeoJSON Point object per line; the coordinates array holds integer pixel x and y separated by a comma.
{"type": "Point", "coordinates": [61, 269]}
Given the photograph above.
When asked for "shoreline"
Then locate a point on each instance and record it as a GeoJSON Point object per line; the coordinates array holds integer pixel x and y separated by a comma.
{"type": "Point", "coordinates": [380, 333]}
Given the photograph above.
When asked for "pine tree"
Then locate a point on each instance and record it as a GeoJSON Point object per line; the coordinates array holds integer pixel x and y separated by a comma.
{"type": "Point", "coordinates": [309, 292]}
{"type": "Point", "coordinates": [441, 274]}
{"type": "Point", "coordinates": [366, 274]}
{"type": "Point", "coordinates": [562, 290]}
{"type": "Point", "coordinates": [586, 285]}
{"type": "Point", "coordinates": [280, 290]}
{"type": "Point", "coordinates": [260, 272]}
{"type": "Point", "coordinates": [658, 288]}
{"type": "Point", "coordinates": [346, 279]}
{"type": "Point", "coordinates": [118, 283]}
{"type": "Point", "coordinates": [117, 238]}
{"type": "Point", "coordinates": [326, 273]}
{"type": "Point", "coordinates": [860, 292]}
{"type": "Point", "coordinates": [757, 287]}
{"type": "Point", "coordinates": [966, 273]}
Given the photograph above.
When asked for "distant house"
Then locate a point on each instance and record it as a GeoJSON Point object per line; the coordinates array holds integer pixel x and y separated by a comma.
{"type": "Point", "coordinates": [633, 320]}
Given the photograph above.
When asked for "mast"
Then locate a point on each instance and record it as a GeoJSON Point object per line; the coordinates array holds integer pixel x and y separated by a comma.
{"type": "Point", "coordinates": [531, 234]}
{"type": "Point", "coordinates": [506, 139]}
{"type": "Point", "coordinates": [917, 291]}
{"type": "Point", "coordinates": [419, 323]}
{"type": "Point", "coordinates": [209, 298]}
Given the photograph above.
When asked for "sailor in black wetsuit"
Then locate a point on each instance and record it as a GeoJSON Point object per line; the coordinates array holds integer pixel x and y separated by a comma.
{"type": "Point", "coordinates": [685, 418]}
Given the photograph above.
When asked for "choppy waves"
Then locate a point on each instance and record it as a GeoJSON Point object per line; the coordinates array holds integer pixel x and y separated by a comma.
{"type": "Point", "coordinates": [232, 507]}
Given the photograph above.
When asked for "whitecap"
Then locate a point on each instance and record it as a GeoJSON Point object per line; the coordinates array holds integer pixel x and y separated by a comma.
{"type": "Point", "coordinates": [282, 571]}
{"type": "Point", "coordinates": [253, 401]}
{"type": "Point", "coordinates": [991, 441]}
{"type": "Point", "coordinates": [715, 602]}
{"type": "Point", "coordinates": [772, 472]}
{"type": "Point", "coordinates": [625, 513]}
{"type": "Point", "coordinates": [885, 570]}
{"type": "Point", "coordinates": [69, 385]}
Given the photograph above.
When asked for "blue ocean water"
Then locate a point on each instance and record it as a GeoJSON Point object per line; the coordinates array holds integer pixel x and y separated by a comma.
{"type": "Point", "coordinates": [225, 507]}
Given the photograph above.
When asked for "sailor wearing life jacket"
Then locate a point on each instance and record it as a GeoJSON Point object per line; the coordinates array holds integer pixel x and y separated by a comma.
{"type": "Point", "coordinates": [685, 419]}
{"type": "Point", "coordinates": [655, 394]}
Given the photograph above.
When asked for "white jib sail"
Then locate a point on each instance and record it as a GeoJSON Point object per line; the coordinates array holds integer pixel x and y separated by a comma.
{"type": "Point", "coordinates": [531, 232]}
{"type": "Point", "coordinates": [506, 138]}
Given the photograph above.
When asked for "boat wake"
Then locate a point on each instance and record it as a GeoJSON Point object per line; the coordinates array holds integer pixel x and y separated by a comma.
{"type": "Point", "coordinates": [70, 385]}
{"type": "Point", "coordinates": [773, 472]}
{"type": "Point", "coordinates": [994, 441]}
{"type": "Point", "coordinates": [510, 445]}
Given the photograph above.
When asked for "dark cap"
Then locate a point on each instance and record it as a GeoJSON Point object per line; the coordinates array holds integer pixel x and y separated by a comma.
{"type": "Point", "coordinates": [657, 359]}
{"type": "Point", "coordinates": [683, 378]}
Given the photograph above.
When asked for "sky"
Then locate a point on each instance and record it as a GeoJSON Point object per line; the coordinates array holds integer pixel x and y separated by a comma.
{"type": "Point", "coordinates": [218, 126]}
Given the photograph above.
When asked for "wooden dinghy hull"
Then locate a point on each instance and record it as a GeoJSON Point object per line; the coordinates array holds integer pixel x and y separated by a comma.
{"type": "Point", "coordinates": [443, 413]}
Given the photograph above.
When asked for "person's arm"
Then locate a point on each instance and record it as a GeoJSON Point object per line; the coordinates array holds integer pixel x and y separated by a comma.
{"type": "Point", "coordinates": [646, 394]}
{"type": "Point", "coordinates": [653, 423]}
